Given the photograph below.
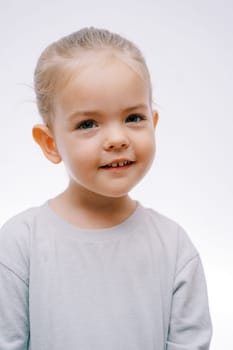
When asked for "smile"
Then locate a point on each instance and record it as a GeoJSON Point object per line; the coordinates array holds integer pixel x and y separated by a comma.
{"type": "Point", "coordinates": [117, 164]}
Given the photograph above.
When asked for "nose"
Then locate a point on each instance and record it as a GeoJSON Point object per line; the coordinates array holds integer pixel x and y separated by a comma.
{"type": "Point", "coordinates": [116, 140]}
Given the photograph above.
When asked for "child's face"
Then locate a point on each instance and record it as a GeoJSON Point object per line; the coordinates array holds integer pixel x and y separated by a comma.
{"type": "Point", "coordinates": [103, 128]}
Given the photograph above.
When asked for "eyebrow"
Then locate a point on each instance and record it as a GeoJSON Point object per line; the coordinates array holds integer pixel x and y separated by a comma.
{"type": "Point", "coordinates": [91, 113]}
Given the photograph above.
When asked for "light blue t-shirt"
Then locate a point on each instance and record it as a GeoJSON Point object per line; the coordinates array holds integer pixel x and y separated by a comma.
{"type": "Point", "coordinates": [135, 286]}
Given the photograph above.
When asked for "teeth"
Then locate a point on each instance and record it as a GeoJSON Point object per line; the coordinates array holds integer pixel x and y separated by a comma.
{"type": "Point", "coordinates": [118, 164]}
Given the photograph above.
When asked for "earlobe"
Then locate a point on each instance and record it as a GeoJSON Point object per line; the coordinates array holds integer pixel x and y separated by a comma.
{"type": "Point", "coordinates": [43, 136]}
{"type": "Point", "coordinates": [155, 118]}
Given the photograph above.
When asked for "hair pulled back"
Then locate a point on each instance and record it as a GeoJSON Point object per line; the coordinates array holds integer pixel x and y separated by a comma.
{"type": "Point", "coordinates": [56, 63]}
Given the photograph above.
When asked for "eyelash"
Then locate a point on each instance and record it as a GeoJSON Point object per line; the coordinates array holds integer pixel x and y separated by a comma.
{"type": "Point", "coordinates": [138, 116]}
{"type": "Point", "coordinates": [90, 124]}
{"type": "Point", "coordinates": [87, 124]}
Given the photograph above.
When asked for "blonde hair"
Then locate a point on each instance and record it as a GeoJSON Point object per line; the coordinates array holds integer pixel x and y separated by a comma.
{"type": "Point", "coordinates": [56, 64]}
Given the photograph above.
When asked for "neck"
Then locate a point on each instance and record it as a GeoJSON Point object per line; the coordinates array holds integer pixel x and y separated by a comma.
{"type": "Point", "coordinates": [90, 210]}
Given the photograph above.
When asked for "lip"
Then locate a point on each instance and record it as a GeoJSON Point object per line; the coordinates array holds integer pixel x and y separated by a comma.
{"type": "Point", "coordinates": [118, 160]}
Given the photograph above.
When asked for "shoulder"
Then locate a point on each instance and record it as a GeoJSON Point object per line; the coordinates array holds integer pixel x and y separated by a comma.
{"type": "Point", "coordinates": [18, 226]}
{"type": "Point", "coordinates": [15, 237]}
{"type": "Point", "coordinates": [172, 237]}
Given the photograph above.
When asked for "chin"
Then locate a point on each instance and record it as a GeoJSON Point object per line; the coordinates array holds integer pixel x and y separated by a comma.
{"type": "Point", "coordinates": [114, 194]}
{"type": "Point", "coordinates": [117, 193]}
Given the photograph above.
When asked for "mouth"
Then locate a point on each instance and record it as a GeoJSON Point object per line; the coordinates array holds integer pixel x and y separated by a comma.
{"type": "Point", "coordinates": [117, 164]}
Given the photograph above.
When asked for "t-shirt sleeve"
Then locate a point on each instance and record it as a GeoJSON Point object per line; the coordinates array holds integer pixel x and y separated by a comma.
{"type": "Point", "coordinates": [14, 318]}
{"type": "Point", "coordinates": [190, 324]}
{"type": "Point", "coordinates": [14, 281]}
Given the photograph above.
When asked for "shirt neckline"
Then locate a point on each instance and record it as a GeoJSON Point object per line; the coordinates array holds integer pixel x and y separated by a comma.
{"type": "Point", "coordinates": [65, 228]}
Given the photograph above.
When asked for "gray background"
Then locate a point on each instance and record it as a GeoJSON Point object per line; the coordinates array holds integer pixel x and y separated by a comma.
{"type": "Point", "coordinates": [189, 49]}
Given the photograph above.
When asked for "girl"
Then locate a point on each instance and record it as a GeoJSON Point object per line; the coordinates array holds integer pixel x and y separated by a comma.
{"type": "Point", "coordinates": [92, 268]}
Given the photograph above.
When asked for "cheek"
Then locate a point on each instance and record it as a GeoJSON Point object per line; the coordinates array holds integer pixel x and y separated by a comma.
{"type": "Point", "coordinates": [149, 151]}
{"type": "Point", "coordinates": [147, 145]}
{"type": "Point", "coordinates": [81, 158]}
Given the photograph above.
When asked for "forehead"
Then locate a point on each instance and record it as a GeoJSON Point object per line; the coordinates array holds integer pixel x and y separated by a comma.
{"type": "Point", "coordinates": [104, 82]}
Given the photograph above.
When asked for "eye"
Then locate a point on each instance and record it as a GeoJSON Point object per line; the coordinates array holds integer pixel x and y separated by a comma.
{"type": "Point", "coordinates": [87, 124]}
{"type": "Point", "coordinates": [134, 118]}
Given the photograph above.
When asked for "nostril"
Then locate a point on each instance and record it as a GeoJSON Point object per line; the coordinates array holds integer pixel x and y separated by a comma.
{"type": "Point", "coordinates": [116, 145]}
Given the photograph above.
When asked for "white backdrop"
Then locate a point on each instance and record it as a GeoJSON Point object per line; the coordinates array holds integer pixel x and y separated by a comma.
{"type": "Point", "coordinates": [189, 49]}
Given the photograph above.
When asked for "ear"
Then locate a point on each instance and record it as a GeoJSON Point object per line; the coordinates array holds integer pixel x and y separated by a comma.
{"type": "Point", "coordinates": [43, 136]}
{"type": "Point", "coordinates": [155, 118]}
